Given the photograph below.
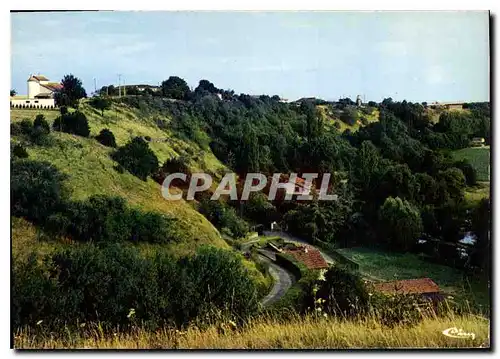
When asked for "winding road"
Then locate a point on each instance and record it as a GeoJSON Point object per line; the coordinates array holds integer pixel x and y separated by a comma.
{"type": "Point", "coordinates": [283, 279]}
{"type": "Point", "coordinates": [289, 238]}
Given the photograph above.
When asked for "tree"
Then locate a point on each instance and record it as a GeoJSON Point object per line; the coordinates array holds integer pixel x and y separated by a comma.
{"type": "Point", "coordinates": [13, 92]}
{"type": "Point", "coordinates": [101, 103]}
{"type": "Point", "coordinates": [137, 158]}
{"type": "Point", "coordinates": [469, 172]}
{"type": "Point", "coordinates": [481, 226]}
{"type": "Point", "coordinates": [205, 87]}
{"type": "Point", "coordinates": [106, 137]}
{"type": "Point", "coordinates": [41, 123]}
{"type": "Point", "coordinates": [400, 223]}
{"type": "Point", "coordinates": [175, 88]}
{"type": "Point", "coordinates": [71, 92]}
{"type": "Point", "coordinates": [75, 122]}
{"type": "Point", "coordinates": [343, 293]}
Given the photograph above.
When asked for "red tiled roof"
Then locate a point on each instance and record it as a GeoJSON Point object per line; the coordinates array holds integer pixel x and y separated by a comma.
{"type": "Point", "coordinates": [312, 259]}
{"type": "Point", "coordinates": [52, 86]}
{"type": "Point", "coordinates": [38, 78]}
{"type": "Point", "coordinates": [410, 286]}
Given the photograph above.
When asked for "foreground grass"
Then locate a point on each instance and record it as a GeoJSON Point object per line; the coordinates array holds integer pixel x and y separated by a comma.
{"type": "Point", "coordinates": [298, 333]}
{"type": "Point", "coordinates": [479, 158]}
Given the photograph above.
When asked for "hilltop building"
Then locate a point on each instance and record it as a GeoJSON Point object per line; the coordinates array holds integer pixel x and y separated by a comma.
{"type": "Point", "coordinates": [447, 105]}
{"type": "Point", "coordinates": [40, 93]}
{"type": "Point", "coordinates": [359, 103]}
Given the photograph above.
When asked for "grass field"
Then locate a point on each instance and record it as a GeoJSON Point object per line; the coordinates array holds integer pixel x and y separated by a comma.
{"type": "Point", "coordinates": [474, 194]}
{"type": "Point", "coordinates": [479, 158]}
{"type": "Point", "coordinates": [262, 333]}
{"type": "Point", "coordinates": [386, 266]}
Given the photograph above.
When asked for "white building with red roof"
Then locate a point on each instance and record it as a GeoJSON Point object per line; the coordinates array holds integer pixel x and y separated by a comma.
{"type": "Point", "coordinates": [40, 93]}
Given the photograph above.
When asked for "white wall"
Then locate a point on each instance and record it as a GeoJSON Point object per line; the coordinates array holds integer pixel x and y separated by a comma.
{"type": "Point", "coordinates": [36, 103]}
{"type": "Point", "coordinates": [33, 89]}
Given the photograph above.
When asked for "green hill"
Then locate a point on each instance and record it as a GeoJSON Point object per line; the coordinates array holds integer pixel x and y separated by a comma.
{"type": "Point", "coordinates": [91, 170]}
{"type": "Point", "coordinates": [357, 117]}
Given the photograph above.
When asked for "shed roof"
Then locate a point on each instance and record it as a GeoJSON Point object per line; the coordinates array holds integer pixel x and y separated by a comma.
{"type": "Point", "coordinates": [38, 78]}
{"type": "Point", "coordinates": [409, 286]}
{"type": "Point", "coordinates": [311, 257]}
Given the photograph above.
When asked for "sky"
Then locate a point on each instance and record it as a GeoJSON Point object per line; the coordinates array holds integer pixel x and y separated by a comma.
{"type": "Point", "coordinates": [417, 56]}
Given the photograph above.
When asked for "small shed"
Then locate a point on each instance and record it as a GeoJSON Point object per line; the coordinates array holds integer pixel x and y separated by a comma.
{"type": "Point", "coordinates": [309, 256]}
{"type": "Point", "coordinates": [422, 286]}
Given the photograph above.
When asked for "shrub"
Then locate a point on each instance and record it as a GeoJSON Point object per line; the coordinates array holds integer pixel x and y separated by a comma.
{"type": "Point", "coordinates": [106, 137]}
{"type": "Point", "coordinates": [100, 103]}
{"type": "Point", "coordinates": [75, 123]}
{"type": "Point", "coordinates": [117, 285]}
{"type": "Point", "coordinates": [469, 172]}
{"type": "Point", "coordinates": [150, 227]}
{"type": "Point", "coordinates": [342, 293]}
{"type": "Point", "coordinates": [19, 151]}
{"type": "Point", "coordinates": [42, 124]}
{"type": "Point", "coordinates": [349, 116]}
{"type": "Point", "coordinates": [400, 309]}
{"type": "Point", "coordinates": [108, 219]}
{"type": "Point", "coordinates": [37, 133]}
{"type": "Point", "coordinates": [223, 217]}
{"type": "Point", "coordinates": [137, 158]}
{"type": "Point", "coordinates": [36, 189]}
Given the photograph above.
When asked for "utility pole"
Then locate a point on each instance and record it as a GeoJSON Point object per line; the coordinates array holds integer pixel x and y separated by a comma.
{"type": "Point", "coordinates": [95, 86]}
{"type": "Point", "coordinates": [119, 87]}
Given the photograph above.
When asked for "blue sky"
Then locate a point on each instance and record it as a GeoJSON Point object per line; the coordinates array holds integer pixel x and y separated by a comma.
{"type": "Point", "coordinates": [417, 56]}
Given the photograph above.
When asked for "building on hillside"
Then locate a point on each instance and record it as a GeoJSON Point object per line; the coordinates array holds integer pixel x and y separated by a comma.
{"type": "Point", "coordinates": [40, 94]}
{"type": "Point", "coordinates": [359, 103]}
{"type": "Point", "coordinates": [447, 105]}
{"type": "Point", "coordinates": [477, 142]}
{"type": "Point", "coordinates": [425, 287]}
{"type": "Point", "coordinates": [309, 256]}
{"type": "Point", "coordinates": [142, 87]}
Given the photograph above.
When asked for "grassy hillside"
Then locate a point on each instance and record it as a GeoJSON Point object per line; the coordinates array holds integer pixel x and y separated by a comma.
{"type": "Point", "coordinates": [91, 170]}
{"type": "Point", "coordinates": [479, 158]}
{"type": "Point", "coordinates": [298, 333]}
{"type": "Point", "coordinates": [331, 116]}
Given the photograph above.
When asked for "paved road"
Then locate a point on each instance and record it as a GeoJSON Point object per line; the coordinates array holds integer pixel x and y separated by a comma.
{"type": "Point", "coordinates": [283, 280]}
{"type": "Point", "coordinates": [290, 238]}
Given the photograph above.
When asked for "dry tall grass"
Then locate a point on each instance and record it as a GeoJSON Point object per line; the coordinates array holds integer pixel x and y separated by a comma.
{"type": "Point", "coordinates": [298, 333]}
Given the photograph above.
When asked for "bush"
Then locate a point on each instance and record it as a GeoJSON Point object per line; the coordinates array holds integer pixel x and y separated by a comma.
{"type": "Point", "coordinates": [41, 124]}
{"type": "Point", "coordinates": [75, 123]}
{"type": "Point", "coordinates": [108, 219]}
{"type": "Point", "coordinates": [137, 158]}
{"type": "Point", "coordinates": [117, 285]}
{"type": "Point", "coordinates": [36, 189]}
{"type": "Point", "coordinates": [106, 137]}
{"type": "Point", "coordinates": [341, 293]}
{"type": "Point", "coordinates": [400, 309]}
{"type": "Point", "coordinates": [469, 172]}
{"type": "Point", "coordinates": [100, 103]}
{"type": "Point", "coordinates": [19, 151]}
{"type": "Point", "coordinates": [223, 217]}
